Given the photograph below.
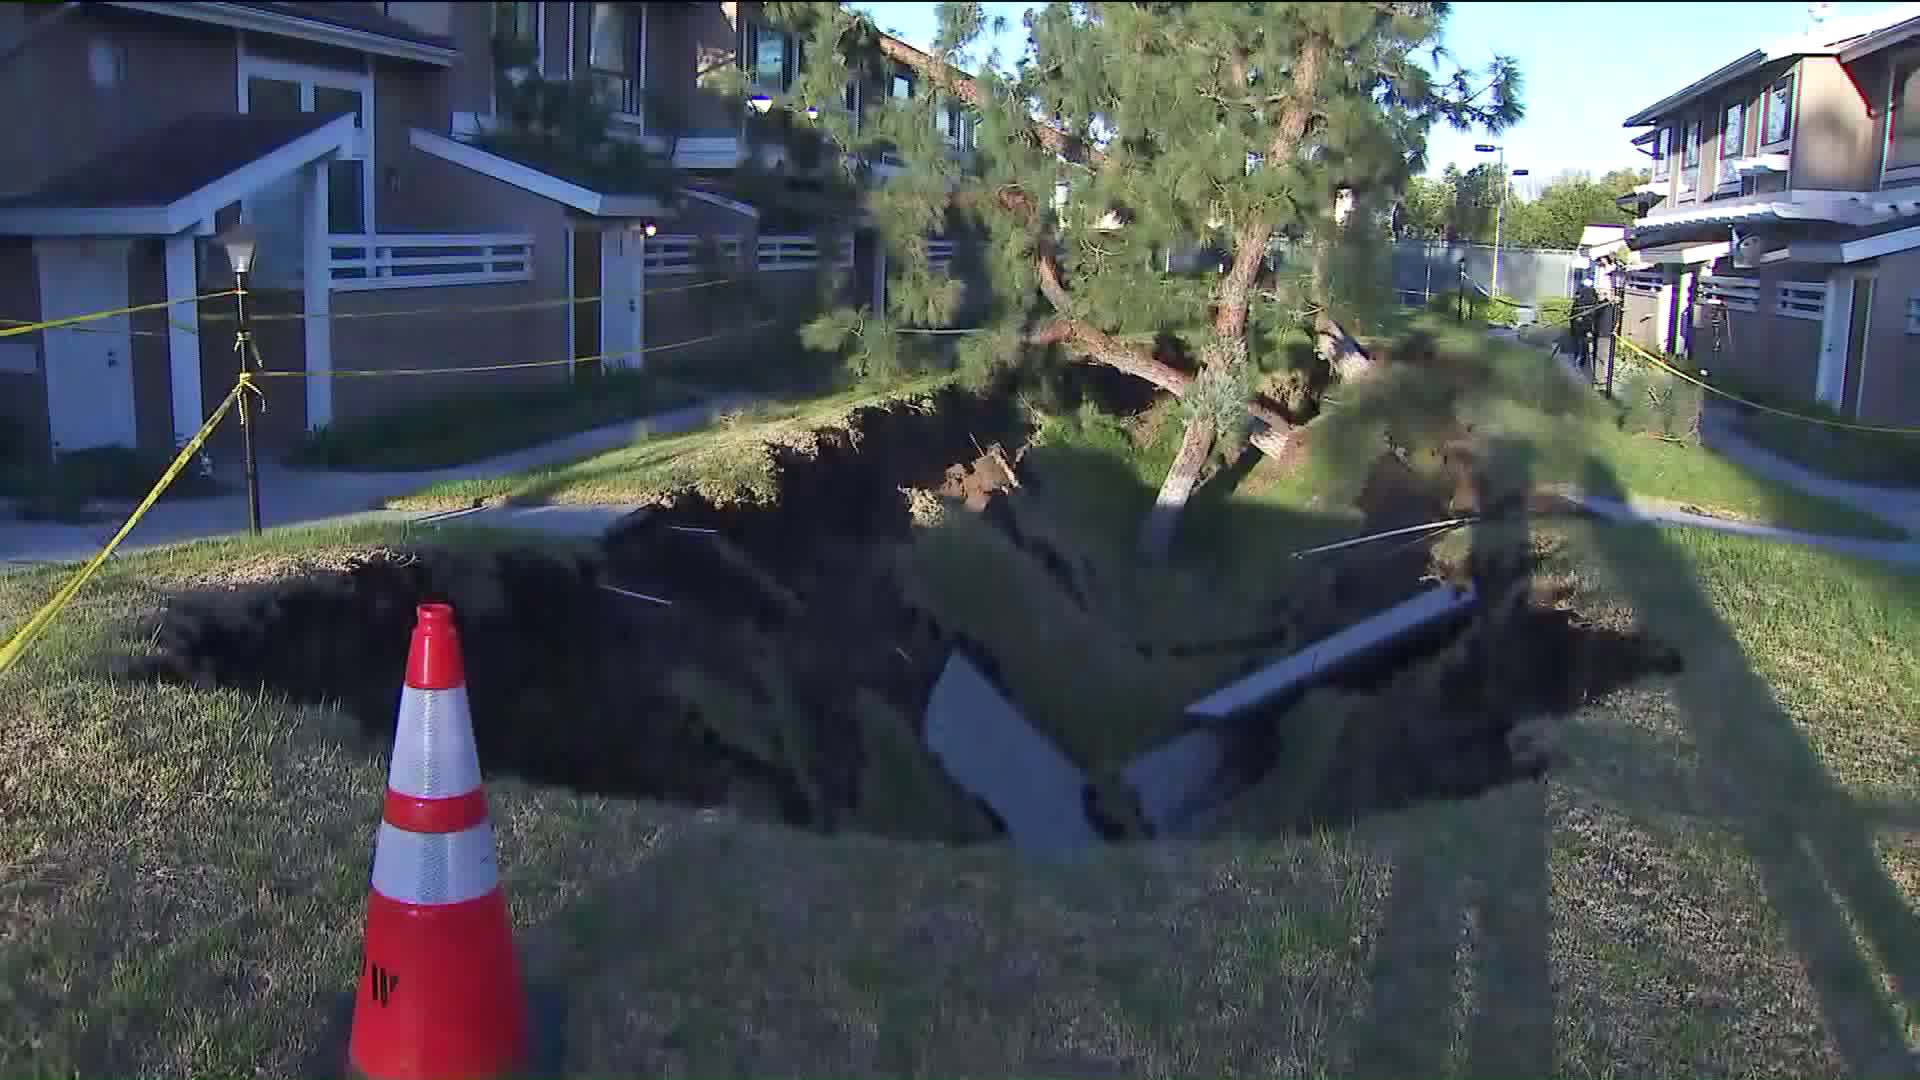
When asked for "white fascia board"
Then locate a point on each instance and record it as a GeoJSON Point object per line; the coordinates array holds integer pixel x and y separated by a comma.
{"type": "Point", "coordinates": [290, 24]}
{"type": "Point", "coordinates": [723, 202]}
{"type": "Point", "coordinates": [1873, 247]}
{"type": "Point", "coordinates": [527, 178]}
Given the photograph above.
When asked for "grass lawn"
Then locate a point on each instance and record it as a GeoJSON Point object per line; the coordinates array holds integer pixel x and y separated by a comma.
{"type": "Point", "coordinates": [1719, 881]}
{"type": "Point", "coordinates": [480, 424]}
{"type": "Point", "coordinates": [1717, 878]}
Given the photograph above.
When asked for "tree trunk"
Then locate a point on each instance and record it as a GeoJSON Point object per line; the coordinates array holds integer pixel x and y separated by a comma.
{"type": "Point", "coordinates": [1339, 351]}
{"type": "Point", "coordinates": [1156, 533]}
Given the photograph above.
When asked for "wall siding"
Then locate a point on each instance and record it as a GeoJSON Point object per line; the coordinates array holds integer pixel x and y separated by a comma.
{"type": "Point", "coordinates": [172, 68]}
{"type": "Point", "coordinates": [1833, 146]}
{"type": "Point", "coordinates": [1890, 393]}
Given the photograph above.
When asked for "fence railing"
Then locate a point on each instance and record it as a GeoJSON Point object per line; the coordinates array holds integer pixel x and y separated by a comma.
{"type": "Point", "coordinates": [421, 260]}
{"type": "Point", "coordinates": [940, 254]}
{"type": "Point", "coordinates": [778, 253]}
{"type": "Point", "coordinates": [680, 253]}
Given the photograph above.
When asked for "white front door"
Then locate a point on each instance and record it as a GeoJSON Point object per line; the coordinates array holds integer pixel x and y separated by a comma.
{"type": "Point", "coordinates": [1835, 320]}
{"type": "Point", "coordinates": [620, 315]}
{"type": "Point", "coordinates": [90, 364]}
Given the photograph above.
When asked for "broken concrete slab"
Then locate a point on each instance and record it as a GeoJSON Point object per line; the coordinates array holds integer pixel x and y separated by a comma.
{"type": "Point", "coordinates": [993, 752]}
{"type": "Point", "coordinates": [1177, 781]}
{"type": "Point", "coordinates": [1331, 655]}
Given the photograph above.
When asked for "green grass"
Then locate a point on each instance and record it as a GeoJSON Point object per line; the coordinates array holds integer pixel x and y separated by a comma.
{"type": "Point", "coordinates": [1511, 393]}
{"type": "Point", "coordinates": [724, 461]}
{"type": "Point", "coordinates": [1718, 880]}
{"type": "Point", "coordinates": [476, 425]}
{"type": "Point", "coordinates": [184, 874]}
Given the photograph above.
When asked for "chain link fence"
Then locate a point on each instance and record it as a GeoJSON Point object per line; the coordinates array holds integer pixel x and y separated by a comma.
{"type": "Point", "coordinates": [1423, 269]}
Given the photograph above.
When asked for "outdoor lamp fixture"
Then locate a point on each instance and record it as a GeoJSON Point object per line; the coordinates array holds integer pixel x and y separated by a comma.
{"type": "Point", "coordinates": [760, 103]}
{"type": "Point", "coordinates": [650, 230]}
{"type": "Point", "coordinates": [813, 112]}
{"type": "Point", "coordinates": [240, 242]}
{"type": "Point", "coordinates": [1499, 205]}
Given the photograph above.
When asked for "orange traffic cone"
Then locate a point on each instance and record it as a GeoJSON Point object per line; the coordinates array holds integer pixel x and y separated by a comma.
{"type": "Point", "coordinates": [440, 993]}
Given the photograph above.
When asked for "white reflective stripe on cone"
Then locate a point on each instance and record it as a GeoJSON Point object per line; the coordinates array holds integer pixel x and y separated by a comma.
{"type": "Point", "coordinates": [433, 752]}
{"type": "Point", "coordinates": [434, 868]}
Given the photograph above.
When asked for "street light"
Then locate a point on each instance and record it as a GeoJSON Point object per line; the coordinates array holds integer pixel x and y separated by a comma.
{"type": "Point", "coordinates": [1499, 206]}
{"type": "Point", "coordinates": [241, 242]}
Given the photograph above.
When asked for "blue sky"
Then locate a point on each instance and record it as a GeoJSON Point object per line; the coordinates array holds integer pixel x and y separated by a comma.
{"type": "Point", "coordinates": [1587, 66]}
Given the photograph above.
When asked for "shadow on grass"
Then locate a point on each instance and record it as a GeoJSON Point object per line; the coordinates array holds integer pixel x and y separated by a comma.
{"type": "Point", "coordinates": [1486, 865]}
{"type": "Point", "coordinates": [1809, 841]}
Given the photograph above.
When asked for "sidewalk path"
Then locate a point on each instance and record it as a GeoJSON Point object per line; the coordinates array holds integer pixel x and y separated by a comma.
{"type": "Point", "coordinates": [1898, 507]}
{"type": "Point", "coordinates": [312, 497]}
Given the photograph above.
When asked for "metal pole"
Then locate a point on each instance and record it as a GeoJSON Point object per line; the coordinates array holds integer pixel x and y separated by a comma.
{"type": "Point", "coordinates": [1460, 290]}
{"type": "Point", "coordinates": [1499, 208]}
{"type": "Point", "coordinates": [243, 344]}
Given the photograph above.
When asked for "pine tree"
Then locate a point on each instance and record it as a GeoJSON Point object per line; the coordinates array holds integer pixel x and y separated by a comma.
{"type": "Point", "coordinates": [1128, 132]}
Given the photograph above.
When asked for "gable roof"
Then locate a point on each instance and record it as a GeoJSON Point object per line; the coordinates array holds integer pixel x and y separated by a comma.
{"type": "Point", "coordinates": [1842, 37]}
{"type": "Point", "coordinates": [170, 178]}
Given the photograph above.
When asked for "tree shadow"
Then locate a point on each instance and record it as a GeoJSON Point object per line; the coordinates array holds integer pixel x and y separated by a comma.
{"type": "Point", "coordinates": [1809, 840]}
{"type": "Point", "coordinates": [1482, 864]}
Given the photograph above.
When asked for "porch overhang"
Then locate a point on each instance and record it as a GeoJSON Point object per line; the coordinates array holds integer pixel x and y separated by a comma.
{"type": "Point", "coordinates": [1680, 254]}
{"type": "Point", "coordinates": [527, 178]}
{"type": "Point", "coordinates": [1842, 252]}
{"type": "Point", "coordinates": [174, 178]}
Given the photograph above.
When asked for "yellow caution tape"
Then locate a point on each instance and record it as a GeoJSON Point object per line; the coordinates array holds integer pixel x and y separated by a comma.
{"type": "Point", "coordinates": [17, 645]}
{"type": "Point", "coordinates": [374, 374]}
{"type": "Point", "coordinates": [462, 309]}
{"type": "Point", "coordinates": [1710, 388]}
{"type": "Point", "coordinates": [50, 324]}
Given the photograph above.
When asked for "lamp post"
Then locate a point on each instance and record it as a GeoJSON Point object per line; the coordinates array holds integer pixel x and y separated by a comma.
{"type": "Point", "coordinates": [1499, 206]}
{"type": "Point", "coordinates": [240, 243]}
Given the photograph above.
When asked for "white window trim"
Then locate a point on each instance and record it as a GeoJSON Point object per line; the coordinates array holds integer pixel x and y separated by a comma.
{"type": "Point", "coordinates": [248, 66]}
{"type": "Point", "coordinates": [1732, 293]}
{"type": "Point", "coordinates": [1800, 300]}
{"type": "Point", "coordinates": [639, 72]}
{"type": "Point", "coordinates": [750, 58]}
{"type": "Point", "coordinates": [539, 53]}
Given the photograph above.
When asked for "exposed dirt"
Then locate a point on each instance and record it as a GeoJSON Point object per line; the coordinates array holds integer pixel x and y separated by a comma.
{"type": "Point", "coordinates": [786, 673]}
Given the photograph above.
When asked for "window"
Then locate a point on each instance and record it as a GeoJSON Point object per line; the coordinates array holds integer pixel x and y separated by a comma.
{"type": "Point", "coordinates": [1801, 300]}
{"type": "Point", "coordinates": [1690, 146]}
{"type": "Point", "coordinates": [770, 57]}
{"type": "Point", "coordinates": [902, 87]}
{"type": "Point", "coordinates": [1733, 131]}
{"type": "Point", "coordinates": [1777, 109]}
{"type": "Point", "coordinates": [613, 47]}
{"type": "Point", "coordinates": [1913, 314]}
{"type": "Point", "coordinates": [1903, 146]}
{"type": "Point", "coordinates": [1662, 147]}
{"type": "Point", "coordinates": [517, 23]}
{"type": "Point", "coordinates": [954, 122]}
{"type": "Point", "coordinates": [279, 210]}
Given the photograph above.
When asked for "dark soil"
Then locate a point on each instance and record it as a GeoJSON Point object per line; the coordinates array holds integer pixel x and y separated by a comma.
{"type": "Point", "coordinates": [794, 608]}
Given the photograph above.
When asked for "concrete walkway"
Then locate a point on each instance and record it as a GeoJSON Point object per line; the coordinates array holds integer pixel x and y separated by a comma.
{"type": "Point", "coordinates": [313, 497]}
{"type": "Point", "coordinates": [1896, 506]}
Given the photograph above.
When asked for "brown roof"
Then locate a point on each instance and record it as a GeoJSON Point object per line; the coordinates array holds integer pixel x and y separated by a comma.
{"type": "Point", "coordinates": [165, 165]}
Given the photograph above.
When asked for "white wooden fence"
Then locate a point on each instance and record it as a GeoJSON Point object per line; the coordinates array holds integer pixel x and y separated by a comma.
{"type": "Point", "coordinates": [420, 260]}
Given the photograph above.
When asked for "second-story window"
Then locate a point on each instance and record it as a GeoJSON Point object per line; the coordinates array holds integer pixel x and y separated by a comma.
{"type": "Point", "coordinates": [1903, 145]}
{"type": "Point", "coordinates": [770, 57]}
{"type": "Point", "coordinates": [1662, 148]}
{"type": "Point", "coordinates": [613, 53]}
{"type": "Point", "coordinates": [1690, 146]}
{"type": "Point", "coordinates": [517, 24]}
{"type": "Point", "coordinates": [902, 87]}
{"type": "Point", "coordinates": [1733, 131]}
{"type": "Point", "coordinates": [1777, 111]}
